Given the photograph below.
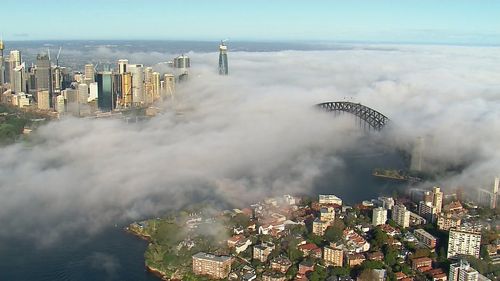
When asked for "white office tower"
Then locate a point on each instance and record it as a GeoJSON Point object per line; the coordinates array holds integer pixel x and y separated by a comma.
{"type": "Point", "coordinates": [14, 61]}
{"type": "Point", "coordinates": [89, 73]}
{"type": "Point", "coordinates": [122, 66]}
{"type": "Point", "coordinates": [379, 216]}
{"type": "Point", "coordinates": [401, 216]}
{"type": "Point", "coordinates": [462, 271]}
{"type": "Point", "coordinates": [60, 104]}
{"type": "Point", "coordinates": [137, 71]}
{"type": "Point", "coordinates": [464, 241]}
{"type": "Point", "coordinates": [437, 199]}
{"type": "Point", "coordinates": [83, 93]}
{"type": "Point", "coordinates": [93, 91]}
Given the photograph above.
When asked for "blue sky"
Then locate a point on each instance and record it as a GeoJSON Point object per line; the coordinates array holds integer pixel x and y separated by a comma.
{"type": "Point", "coordinates": [422, 21]}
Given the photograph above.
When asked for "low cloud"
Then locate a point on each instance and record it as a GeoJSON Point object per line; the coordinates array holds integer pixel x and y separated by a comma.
{"type": "Point", "coordinates": [254, 133]}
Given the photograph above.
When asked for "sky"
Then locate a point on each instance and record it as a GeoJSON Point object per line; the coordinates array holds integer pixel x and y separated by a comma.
{"type": "Point", "coordinates": [422, 21]}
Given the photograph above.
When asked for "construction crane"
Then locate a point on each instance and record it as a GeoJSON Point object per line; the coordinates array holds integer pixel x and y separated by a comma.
{"type": "Point", "coordinates": [58, 54]}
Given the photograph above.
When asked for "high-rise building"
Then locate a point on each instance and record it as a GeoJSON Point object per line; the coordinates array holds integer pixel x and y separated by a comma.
{"type": "Point", "coordinates": [72, 104]}
{"type": "Point", "coordinates": [223, 67]}
{"type": "Point", "coordinates": [126, 99]}
{"type": "Point", "coordinates": [105, 98]}
{"type": "Point", "coordinates": [494, 196]}
{"type": "Point", "coordinates": [327, 214]}
{"type": "Point", "coordinates": [155, 85]}
{"type": "Point", "coordinates": [428, 211]}
{"type": "Point", "coordinates": [122, 66]}
{"type": "Point", "coordinates": [379, 216]}
{"type": "Point", "coordinates": [319, 227]}
{"type": "Point", "coordinates": [2, 73]}
{"type": "Point", "coordinates": [217, 267]}
{"type": "Point", "coordinates": [137, 72]}
{"type": "Point", "coordinates": [464, 241]}
{"type": "Point", "coordinates": [14, 61]}
{"type": "Point", "coordinates": [117, 89]}
{"type": "Point", "coordinates": [18, 80]}
{"type": "Point", "coordinates": [333, 256]}
{"type": "Point", "coordinates": [445, 221]}
{"type": "Point", "coordinates": [89, 73]}
{"type": "Point", "coordinates": [57, 79]}
{"type": "Point", "coordinates": [437, 199]}
{"type": "Point", "coordinates": [182, 62]}
{"type": "Point", "coordinates": [60, 106]}
{"type": "Point", "coordinates": [401, 216]}
{"type": "Point", "coordinates": [168, 85]}
{"type": "Point", "coordinates": [93, 91]}
{"type": "Point", "coordinates": [387, 202]}
{"type": "Point", "coordinates": [83, 93]}
{"type": "Point", "coordinates": [148, 85]}
{"type": "Point", "coordinates": [43, 100]}
{"type": "Point", "coordinates": [43, 75]}
{"type": "Point", "coordinates": [462, 271]}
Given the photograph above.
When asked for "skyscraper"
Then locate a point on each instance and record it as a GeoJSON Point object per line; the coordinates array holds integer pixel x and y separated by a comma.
{"type": "Point", "coordinates": [155, 81]}
{"type": "Point", "coordinates": [122, 66]}
{"type": "Point", "coordinates": [43, 75]}
{"type": "Point", "coordinates": [148, 85]}
{"type": "Point", "coordinates": [89, 73]}
{"type": "Point", "coordinates": [223, 67]}
{"type": "Point", "coordinates": [137, 71]}
{"type": "Point", "coordinates": [437, 199]}
{"type": "Point", "coordinates": [2, 75]}
{"type": "Point", "coordinates": [182, 61]}
{"type": "Point", "coordinates": [18, 80]}
{"type": "Point", "coordinates": [126, 99]}
{"type": "Point", "coordinates": [105, 99]}
{"type": "Point", "coordinates": [169, 85]}
{"type": "Point", "coordinates": [14, 61]}
{"type": "Point", "coordinates": [83, 93]}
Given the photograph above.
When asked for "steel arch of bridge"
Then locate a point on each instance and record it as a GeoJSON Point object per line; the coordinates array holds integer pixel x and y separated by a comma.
{"type": "Point", "coordinates": [373, 118]}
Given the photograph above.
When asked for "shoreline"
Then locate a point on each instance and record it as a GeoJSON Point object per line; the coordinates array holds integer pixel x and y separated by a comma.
{"type": "Point", "coordinates": [156, 272]}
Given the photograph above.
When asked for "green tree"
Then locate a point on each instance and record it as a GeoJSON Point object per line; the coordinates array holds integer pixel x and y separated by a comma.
{"type": "Point", "coordinates": [340, 271]}
{"type": "Point", "coordinates": [379, 238]}
{"type": "Point", "coordinates": [334, 232]}
{"type": "Point", "coordinates": [292, 271]}
{"type": "Point", "coordinates": [319, 274]}
{"type": "Point", "coordinates": [421, 252]}
{"type": "Point", "coordinates": [390, 257]}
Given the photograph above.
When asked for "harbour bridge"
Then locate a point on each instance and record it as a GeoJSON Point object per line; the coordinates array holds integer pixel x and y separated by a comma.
{"type": "Point", "coordinates": [369, 118]}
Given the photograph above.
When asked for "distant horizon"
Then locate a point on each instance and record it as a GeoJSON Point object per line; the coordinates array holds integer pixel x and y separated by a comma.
{"type": "Point", "coordinates": [264, 41]}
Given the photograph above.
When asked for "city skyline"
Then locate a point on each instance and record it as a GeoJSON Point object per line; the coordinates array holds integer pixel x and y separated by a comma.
{"type": "Point", "coordinates": [429, 22]}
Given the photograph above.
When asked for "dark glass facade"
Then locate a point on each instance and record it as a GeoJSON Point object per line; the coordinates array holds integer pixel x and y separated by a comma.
{"type": "Point", "coordinates": [105, 92]}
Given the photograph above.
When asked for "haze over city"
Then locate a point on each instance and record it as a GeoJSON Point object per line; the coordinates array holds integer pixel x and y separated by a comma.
{"type": "Point", "coordinates": [226, 116]}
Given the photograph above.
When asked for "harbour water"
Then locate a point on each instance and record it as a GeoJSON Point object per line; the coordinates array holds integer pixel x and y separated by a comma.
{"type": "Point", "coordinates": [111, 255]}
